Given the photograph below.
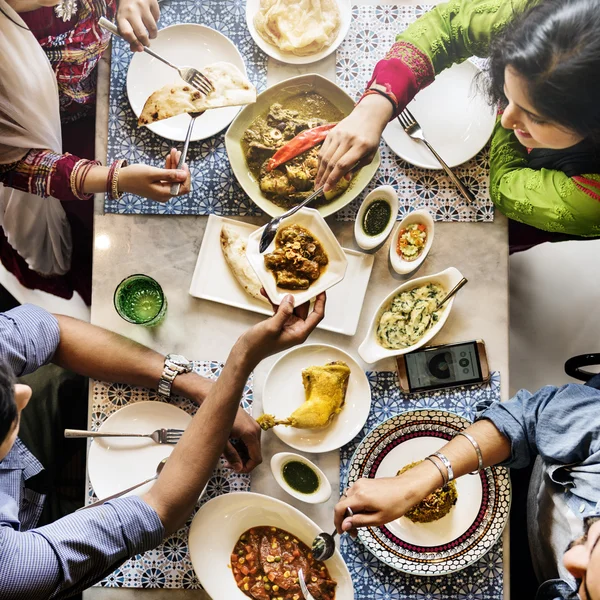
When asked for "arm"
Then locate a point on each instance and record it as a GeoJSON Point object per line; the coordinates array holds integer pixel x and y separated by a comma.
{"type": "Point", "coordinates": [546, 199]}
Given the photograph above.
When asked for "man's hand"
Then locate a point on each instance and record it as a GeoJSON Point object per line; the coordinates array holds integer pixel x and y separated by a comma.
{"type": "Point", "coordinates": [247, 431]}
{"type": "Point", "coordinates": [288, 327]}
{"type": "Point", "coordinates": [136, 20]}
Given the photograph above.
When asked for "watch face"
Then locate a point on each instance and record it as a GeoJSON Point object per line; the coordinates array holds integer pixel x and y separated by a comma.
{"type": "Point", "coordinates": [179, 360]}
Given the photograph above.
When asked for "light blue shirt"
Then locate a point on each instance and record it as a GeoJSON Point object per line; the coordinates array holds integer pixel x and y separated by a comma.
{"type": "Point", "coordinates": [69, 555]}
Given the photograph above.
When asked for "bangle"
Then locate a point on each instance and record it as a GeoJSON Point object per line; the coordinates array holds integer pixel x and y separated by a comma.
{"type": "Point", "coordinates": [446, 463]}
{"type": "Point", "coordinates": [112, 181]}
{"type": "Point", "coordinates": [73, 179]}
{"type": "Point", "coordinates": [477, 450]}
{"type": "Point", "coordinates": [80, 180]}
{"type": "Point", "coordinates": [433, 462]}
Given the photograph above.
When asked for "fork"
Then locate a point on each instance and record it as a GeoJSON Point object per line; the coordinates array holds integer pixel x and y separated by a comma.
{"type": "Point", "coordinates": [175, 187]}
{"type": "Point", "coordinates": [415, 131]}
{"type": "Point", "coordinates": [307, 595]}
{"type": "Point", "coordinates": [160, 436]}
{"type": "Point", "coordinates": [190, 75]}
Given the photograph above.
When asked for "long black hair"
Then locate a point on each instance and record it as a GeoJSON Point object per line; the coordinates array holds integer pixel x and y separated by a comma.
{"type": "Point", "coordinates": [555, 47]}
{"type": "Point", "coordinates": [8, 406]}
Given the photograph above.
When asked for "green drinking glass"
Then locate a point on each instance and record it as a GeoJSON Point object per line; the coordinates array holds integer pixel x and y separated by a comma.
{"type": "Point", "coordinates": [139, 299]}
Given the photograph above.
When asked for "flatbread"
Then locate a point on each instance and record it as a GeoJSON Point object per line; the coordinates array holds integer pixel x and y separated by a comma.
{"type": "Point", "coordinates": [232, 88]}
{"type": "Point", "coordinates": [233, 246]}
{"type": "Point", "coordinates": [301, 27]}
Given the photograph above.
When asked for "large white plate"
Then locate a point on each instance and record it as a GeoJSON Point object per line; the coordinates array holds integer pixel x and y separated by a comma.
{"type": "Point", "coordinates": [188, 45]}
{"type": "Point", "coordinates": [284, 393]}
{"type": "Point", "coordinates": [218, 525]}
{"type": "Point", "coordinates": [456, 119]}
{"type": "Point", "coordinates": [252, 7]}
{"type": "Point", "coordinates": [460, 538]}
{"type": "Point", "coordinates": [115, 464]}
{"type": "Point", "coordinates": [213, 280]}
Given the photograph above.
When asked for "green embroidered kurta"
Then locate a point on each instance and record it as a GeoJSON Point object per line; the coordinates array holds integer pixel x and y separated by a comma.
{"type": "Point", "coordinates": [546, 199]}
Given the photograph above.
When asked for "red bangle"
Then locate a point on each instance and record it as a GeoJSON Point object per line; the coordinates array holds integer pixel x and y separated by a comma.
{"type": "Point", "coordinates": [80, 181]}
{"type": "Point", "coordinates": [112, 181]}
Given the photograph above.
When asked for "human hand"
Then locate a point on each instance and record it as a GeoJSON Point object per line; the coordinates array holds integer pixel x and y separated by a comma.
{"type": "Point", "coordinates": [353, 139]}
{"type": "Point", "coordinates": [288, 327]}
{"type": "Point", "coordinates": [136, 20]}
{"type": "Point", "coordinates": [247, 431]}
{"type": "Point", "coordinates": [155, 183]}
{"type": "Point", "coordinates": [378, 501]}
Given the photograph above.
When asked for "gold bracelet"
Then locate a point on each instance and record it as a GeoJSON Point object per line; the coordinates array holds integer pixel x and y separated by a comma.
{"type": "Point", "coordinates": [114, 186]}
{"type": "Point", "coordinates": [73, 178]}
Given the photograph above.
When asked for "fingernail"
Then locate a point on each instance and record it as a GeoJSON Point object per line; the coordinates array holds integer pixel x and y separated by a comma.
{"type": "Point", "coordinates": [326, 187]}
{"type": "Point", "coordinates": [181, 173]}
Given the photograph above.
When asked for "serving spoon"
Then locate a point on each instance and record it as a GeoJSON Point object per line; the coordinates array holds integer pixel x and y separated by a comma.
{"type": "Point", "coordinates": [323, 545]}
{"type": "Point", "coordinates": [451, 293]}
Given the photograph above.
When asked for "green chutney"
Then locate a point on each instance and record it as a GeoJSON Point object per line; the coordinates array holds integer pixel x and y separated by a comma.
{"type": "Point", "coordinates": [300, 477]}
{"type": "Point", "coordinates": [376, 218]}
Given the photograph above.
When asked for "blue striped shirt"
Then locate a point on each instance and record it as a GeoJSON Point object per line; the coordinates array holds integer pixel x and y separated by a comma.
{"type": "Point", "coordinates": [69, 555]}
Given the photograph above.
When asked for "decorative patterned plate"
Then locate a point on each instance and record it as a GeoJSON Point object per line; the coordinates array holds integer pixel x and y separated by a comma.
{"type": "Point", "coordinates": [463, 536]}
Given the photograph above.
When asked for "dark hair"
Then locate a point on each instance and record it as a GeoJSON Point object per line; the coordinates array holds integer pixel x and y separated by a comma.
{"type": "Point", "coordinates": [555, 46]}
{"type": "Point", "coordinates": [8, 406]}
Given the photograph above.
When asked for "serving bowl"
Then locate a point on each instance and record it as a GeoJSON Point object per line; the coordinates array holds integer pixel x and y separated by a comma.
{"type": "Point", "coordinates": [218, 525]}
{"type": "Point", "coordinates": [371, 351]}
{"type": "Point", "coordinates": [399, 264]}
{"type": "Point", "coordinates": [279, 93]}
{"type": "Point", "coordinates": [388, 194]}
{"type": "Point", "coordinates": [323, 492]}
{"type": "Point", "coordinates": [333, 273]}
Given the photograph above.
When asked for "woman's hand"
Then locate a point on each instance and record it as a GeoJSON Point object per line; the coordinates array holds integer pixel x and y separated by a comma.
{"type": "Point", "coordinates": [378, 501]}
{"type": "Point", "coordinates": [155, 183]}
{"type": "Point", "coordinates": [355, 138]}
{"type": "Point", "coordinates": [136, 20]}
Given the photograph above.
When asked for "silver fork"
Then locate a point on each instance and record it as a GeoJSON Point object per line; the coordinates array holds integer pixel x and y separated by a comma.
{"type": "Point", "coordinates": [307, 595]}
{"type": "Point", "coordinates": [190, 75]}
{"type": "Point", "coordinates": [160, 436]}
{"type": "Point", "coordinates": [415, 131]}
{"type": "Point", "coordinates": [175, 187]}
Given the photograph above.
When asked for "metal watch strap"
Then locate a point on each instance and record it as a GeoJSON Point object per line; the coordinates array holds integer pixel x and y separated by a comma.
{"type": "Point", "coordinates": [166, 381]}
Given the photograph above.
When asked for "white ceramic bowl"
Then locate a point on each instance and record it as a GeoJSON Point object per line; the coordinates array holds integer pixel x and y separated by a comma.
{"type": "Point", "coordinates": [389, 195]}
{"type": "Point", "coordinates": [283, 393]}
{"type": "Point", "coordinates": [371, 351]}
{"type": "Point", "coordinates": [186, 44]}
{"type": "Point", "coordinates": [334, 272]}
{"type": "Point", "coordinates": [218, 525]}
{"type": "Point", "coordinates": [252, 7]}
{"type": "Point", "coordinates": [323, 492]}
{"type": "Point", "coordinates": [399, 264]}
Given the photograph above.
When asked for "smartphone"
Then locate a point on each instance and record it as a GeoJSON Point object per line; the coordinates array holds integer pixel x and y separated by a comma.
{"type": "Point", "coordinates": [445, 366]}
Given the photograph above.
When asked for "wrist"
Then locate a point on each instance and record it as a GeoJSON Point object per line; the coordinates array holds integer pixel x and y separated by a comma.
{"type": "Point", "coordinates": [376, 109]}
{"type": "Point", "coordinates": [420, 481]}
{"type": "Point", "coordinates": [244, 356]}
{"type": "Point", "coordinates": [192, 386]}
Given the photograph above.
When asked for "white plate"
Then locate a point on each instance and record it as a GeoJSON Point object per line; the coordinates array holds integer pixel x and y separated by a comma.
{"type": "Point", "coordinates": [213, 280]}
{"type": "Point", "coordinates": [218, 525]}
{"type": "Point", "coordinates": [188, 45]}
{"type": "Point", "coordinates": [456, 119]}
{"type": "Point", "coordinates": [399, 264]}
{"type": "Point", "coordinates": [283, 393]}
{"type": "Point", "coordinates": [371, 351]}
{"type": "Point", "coordinates": [279, 461]}
{"type": "Point", "coordinates": [252, 7]}
{"type": "Point", "coordinates": [389, 195]}
{"type": "Point", "coordinates": [115, 464]}
{"type": "Point", "coordinates": [334, 271]}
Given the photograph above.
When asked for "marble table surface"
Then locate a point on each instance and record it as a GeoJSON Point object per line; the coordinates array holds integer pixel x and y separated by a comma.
{"type": "Point", "coordinates": [166, 247]}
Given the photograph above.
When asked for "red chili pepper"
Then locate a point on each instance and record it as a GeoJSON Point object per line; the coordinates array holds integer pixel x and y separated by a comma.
{"type": "Point", "coordinates": [304, 141]}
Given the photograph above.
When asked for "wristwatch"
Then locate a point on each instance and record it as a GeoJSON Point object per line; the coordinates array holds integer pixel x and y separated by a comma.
{"type": "Point", "coordinates": [174, 365]}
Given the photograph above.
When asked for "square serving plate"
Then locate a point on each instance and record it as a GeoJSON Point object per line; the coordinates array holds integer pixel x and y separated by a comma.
{"type": "Point", "coordinates": [213, 280]}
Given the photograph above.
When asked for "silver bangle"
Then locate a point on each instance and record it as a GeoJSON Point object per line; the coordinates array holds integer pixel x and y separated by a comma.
{"type": "Point", "coordinates": [444, 479]}
{"type": "Point", "coordinates": [446, 463]}
{"type": "Point", "coordinates": [477, 449]}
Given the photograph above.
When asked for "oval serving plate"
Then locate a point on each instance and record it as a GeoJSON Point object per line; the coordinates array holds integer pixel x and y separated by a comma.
{"type": "Point", "coordinates": [460, 538]}
{"type": "Point", "coordinates": [399, 264]}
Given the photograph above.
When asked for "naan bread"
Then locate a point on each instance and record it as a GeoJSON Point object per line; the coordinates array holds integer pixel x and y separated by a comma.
{"type": "Point", "coordinates": [232, 88]}
{"type": "Point", "coordinates": [234, 251]}
{"type": "Point", "coordinates": [302, 27]}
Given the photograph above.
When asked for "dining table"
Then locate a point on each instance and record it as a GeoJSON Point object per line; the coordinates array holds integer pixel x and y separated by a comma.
{"type": "Point", "coordinates": [166, 248]}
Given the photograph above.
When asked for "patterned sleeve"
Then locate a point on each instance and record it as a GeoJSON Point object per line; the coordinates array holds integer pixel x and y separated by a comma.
{"type": "Point", "coordinates": [448, 34]}
{"type": "Point", "coordinates": [544, 198]}
{"type": "Point", "coordinates": [43, 173]}
{"type": "Point", "coordinates": [67, 556]}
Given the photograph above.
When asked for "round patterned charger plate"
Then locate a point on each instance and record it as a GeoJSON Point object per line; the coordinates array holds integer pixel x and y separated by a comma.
{"type": "Point", "coordinates": [464, 535]}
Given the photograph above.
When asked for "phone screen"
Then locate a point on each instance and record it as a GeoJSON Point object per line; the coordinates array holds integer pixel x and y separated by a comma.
{"type": "Point", "coordinates": [456, 364]}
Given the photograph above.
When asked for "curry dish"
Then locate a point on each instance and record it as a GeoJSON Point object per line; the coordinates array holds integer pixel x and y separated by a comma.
{"type": "Point", "coordinates": [296, 128]}
{"type": "Point", "coordinates": [298, 259]}
{"type": "Point", "coordinates": [265, 563]}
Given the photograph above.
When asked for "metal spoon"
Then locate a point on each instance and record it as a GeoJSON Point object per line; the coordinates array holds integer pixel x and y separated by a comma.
{"type": "Point", "coordinates": [323, 545]}
{"type": "Point", "coordinates": [451, 293]}
{"type": "Point", "coordinates": [159, 468]}
{"type": "Point", "coordinates": [194, 115]}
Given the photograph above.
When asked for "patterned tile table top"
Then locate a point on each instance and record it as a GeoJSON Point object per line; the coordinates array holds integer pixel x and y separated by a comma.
{"type": "Point", "coordinates": [169, 565]}
{"type": "Point", "coordinates": [374, 580]}
{"type": "Point", "coordinates": [214, 187]}
{"type": "Point", "coordinates": [372, 32]}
